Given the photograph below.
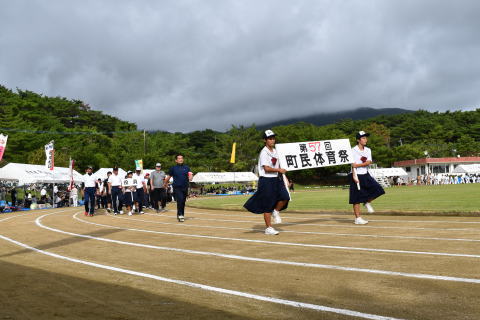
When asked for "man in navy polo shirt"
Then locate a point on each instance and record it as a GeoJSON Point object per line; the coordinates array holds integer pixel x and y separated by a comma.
{"type": "Point", "coordinates": [181, 177]}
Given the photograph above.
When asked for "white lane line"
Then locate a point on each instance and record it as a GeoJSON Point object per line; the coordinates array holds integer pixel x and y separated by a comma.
{"type": "Point", "coordinates": [364, 226]}
{"type": "Point", "coordinates": [29, 213]}
{"type": "Point", "coordinates": [290, 243]}
{"type": "Point", "coordinates": [39, 223]}
{"type": "Point", "coordinates": [319, 215]}
{"type": "Point", "coordinates": [291, 303]}
{"type": "Point", "coordinates": [289, 231]}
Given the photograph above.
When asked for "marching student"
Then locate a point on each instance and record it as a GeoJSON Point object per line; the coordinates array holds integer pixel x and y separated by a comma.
{"type": "Point", "coordinates": [101, 202]}
{"type": "Point", "coordinates": [108, 196]}
{"type": "Point", "coordinates": [363, 188]}
{"type": "Point", "coordinates": [141, 189]}
{"type": "Point", "coordinates": [157, 188]}
{"type": "Point", "coordinates": [129, 188]}
{"type": "Point", "coordinates": [272, 195]}
{"type": "Point", "coordinates": [89, 186]}
{"type": "Point", "coordinates": [181, 177]}
{"type": "Point", "coordinates": [115, 187]}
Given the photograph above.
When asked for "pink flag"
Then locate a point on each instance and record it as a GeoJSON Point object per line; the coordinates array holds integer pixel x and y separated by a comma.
{"type": "Point", "coordinates": [70, 166]}
{"type": "Point", "coordinates": [3, 145]}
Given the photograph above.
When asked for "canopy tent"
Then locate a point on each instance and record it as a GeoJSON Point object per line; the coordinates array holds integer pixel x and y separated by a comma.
{"type": "Point", "coordinates": [102, 173]}
{"type": "Point", "coordinates": [224, 177]}
{"type": "Point", "coordinates": [388, 172]}
{"type": "Point", "coordinates": [468, 168]}
{"type": "Point", "coordinates": [33, 173]}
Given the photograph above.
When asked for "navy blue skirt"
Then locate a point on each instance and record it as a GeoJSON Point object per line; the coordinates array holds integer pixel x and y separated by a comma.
{"type": "Point", "coordinates": [369, 189]}
{"type": "Point", "coordinates": [270, 191]}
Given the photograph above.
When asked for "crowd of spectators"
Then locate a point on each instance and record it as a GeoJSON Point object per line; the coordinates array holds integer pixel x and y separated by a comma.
{"type": "Point", "coordinates": [436, 179]}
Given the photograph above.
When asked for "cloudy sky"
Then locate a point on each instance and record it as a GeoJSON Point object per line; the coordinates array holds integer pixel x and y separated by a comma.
{"type": "Point", "coordinates": [183, 65]}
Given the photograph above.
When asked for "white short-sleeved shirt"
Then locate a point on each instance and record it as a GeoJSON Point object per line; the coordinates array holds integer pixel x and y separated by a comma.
{"type": "Point", "coordinates": [115, 180]}
{"type": "Point", "coordinates": [268, 158]}
{"type": "Point", "coordinates": [357, 158]}
{"type": "Point", "coordinates": [89, 181]}
{"type": "Point", "coordinates": [140, 179]}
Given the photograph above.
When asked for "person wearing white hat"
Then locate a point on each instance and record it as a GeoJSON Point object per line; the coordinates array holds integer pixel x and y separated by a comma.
{"type": "Point", "coordinates": [363, 188]}
{"type": "Point", "coordinates": [141, 189]}
{"type": "Point", "coordinates": [158, 192]}
{"type": "Point", "coordinates": [272, 195]}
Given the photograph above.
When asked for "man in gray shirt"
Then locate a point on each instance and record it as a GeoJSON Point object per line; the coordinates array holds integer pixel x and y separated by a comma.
{"type": "Point", "coordinates": [158, 193]}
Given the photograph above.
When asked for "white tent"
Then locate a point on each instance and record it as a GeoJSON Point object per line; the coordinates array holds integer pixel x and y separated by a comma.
{"type": "Point", "coordinates": [388, 172]}
{"type": "Point", "coordinates": [224, 177]}
{"type": "Point", "coordinates": [102, 173]}
{"type": "Point", "coordinates": [468, 168]}
{"type": "Point", "coordinates": [33, 173]}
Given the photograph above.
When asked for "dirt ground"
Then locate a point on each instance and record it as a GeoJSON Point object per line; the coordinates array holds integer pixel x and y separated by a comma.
{"type": "Point", "coordinates": [59, 264]}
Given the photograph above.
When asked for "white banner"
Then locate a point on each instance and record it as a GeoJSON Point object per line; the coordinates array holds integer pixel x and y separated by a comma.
{"type": "Point", "coordinates": [50, 155]}
{"type": "Point", "coordinates": [3, 144]}
{"type": "Point", "coordinates": [314, 154]}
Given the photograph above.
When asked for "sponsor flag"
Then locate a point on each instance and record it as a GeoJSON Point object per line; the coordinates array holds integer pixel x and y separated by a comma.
{"type": "Point", "coordinates": [232, 157]}
{"type": "Point", "coordinates": [3, 145]}
{"type": "Point", "coordinates": [139, 164]}
{"type": "Point", "coordinates": [50, 156]}
{"type": "Point", "coordinates": [70, 167]}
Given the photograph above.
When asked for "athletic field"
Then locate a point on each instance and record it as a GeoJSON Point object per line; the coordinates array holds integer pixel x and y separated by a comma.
{"type": "Point", "coordinates": [59, 264]}
{"type": "Point", "coordinates": [461, 199]}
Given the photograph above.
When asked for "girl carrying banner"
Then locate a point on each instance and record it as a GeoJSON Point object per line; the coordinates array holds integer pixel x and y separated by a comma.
{"type": "Point", "coordinates": [363, 188]}
{"type": "Point", "coordinates": [271, 196]}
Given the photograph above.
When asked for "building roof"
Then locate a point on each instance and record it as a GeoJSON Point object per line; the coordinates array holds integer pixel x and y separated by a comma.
{"type": "Point", "coordinates": [449, 160]}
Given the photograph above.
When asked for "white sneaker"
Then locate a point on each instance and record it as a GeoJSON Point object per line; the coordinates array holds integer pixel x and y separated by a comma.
{"type": "Point", "coordinates": [369, 207]}
{"type": "Point", "coordinates": [271, 231]}
{"type": "Point", "coordinates": [141, 212]}
{"type": "Point", "coordinates": [130, 213]}
{"type": "Point", "coordinates": [360, 220]}
{"type": "Point", "coordinates": [276, 217]}
{"type": "Point", "coordinates": [121, 211]}
{"type": "Point", "coordinates": [181, 219]}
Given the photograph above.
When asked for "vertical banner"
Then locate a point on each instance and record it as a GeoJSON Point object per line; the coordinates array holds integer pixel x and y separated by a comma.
{"type": "Point", "coordinates": [232, 157]}
{"type": "Point", "coordinates": [50, 155]}
{"type": "Point", "coordinates": [3, 145]}
{"type": "Point", "coordinates": [314, 154]}
{"type": "Point", "coordinates": [139, 164]}
{"type": "Point", "coordinates": [70, 167]}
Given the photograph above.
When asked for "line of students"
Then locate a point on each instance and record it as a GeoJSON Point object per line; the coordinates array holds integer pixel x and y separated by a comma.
{"type": "Point", "coordinates": [132, 190]}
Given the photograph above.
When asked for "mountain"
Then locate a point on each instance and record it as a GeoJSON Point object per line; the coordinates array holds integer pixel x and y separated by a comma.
{"type": "Point", "coordinates": [333, 117]}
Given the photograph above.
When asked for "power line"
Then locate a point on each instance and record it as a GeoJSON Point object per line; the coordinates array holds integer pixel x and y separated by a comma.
{"type": "Point", "coordinates": [66, 132]}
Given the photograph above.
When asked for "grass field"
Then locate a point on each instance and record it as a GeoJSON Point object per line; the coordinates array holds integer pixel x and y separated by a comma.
{"type": "Point", "coordinates": [463, 199]}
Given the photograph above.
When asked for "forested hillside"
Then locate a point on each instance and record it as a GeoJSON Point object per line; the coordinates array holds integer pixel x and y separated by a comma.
{"type": "Point", "coordinates": [92, 138]}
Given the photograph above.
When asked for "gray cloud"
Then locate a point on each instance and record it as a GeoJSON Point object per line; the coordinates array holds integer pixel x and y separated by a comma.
{"type": "Point", "coordinates": [186, 65]}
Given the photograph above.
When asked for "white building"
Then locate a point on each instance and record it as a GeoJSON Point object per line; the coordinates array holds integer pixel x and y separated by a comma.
{"type": "Point", "coordinates": [418, 167]}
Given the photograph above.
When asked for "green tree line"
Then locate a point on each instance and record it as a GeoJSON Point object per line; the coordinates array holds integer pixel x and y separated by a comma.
{"type": "Point", "coordinates": [92, 138]}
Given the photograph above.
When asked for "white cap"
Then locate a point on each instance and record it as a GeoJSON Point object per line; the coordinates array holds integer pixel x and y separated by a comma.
{"type": "Point", "coordinates": [158, 164]}
{"type": "Point", "coordinates": [268, 133]}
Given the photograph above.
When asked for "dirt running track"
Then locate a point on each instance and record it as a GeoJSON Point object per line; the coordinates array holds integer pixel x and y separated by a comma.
{"type": "Point", "coordinates": [59, 264]}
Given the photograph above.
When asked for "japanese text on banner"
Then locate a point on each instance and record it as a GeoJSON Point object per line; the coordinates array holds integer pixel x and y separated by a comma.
{"type": "Point", "coordinates": [50, 156]}
{"type": "Point", "coordinates": [314, 154]}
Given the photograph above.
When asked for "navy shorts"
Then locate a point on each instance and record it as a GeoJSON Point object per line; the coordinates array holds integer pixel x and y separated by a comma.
{"type": "Point", "coordinates": [127, 198]}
